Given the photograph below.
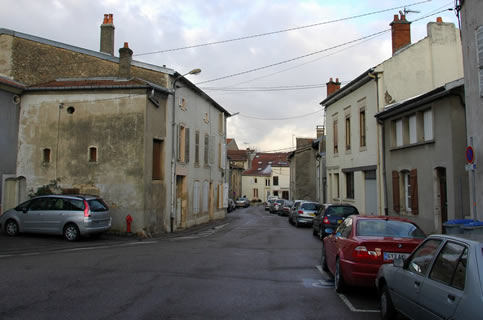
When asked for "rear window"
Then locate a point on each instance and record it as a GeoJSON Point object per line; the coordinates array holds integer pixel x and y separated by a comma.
{"type": "Point", "coordinates": [279, 201]}
{"type": "Point", "coordinates": [341, 211]}
{"type": "Point", "coordinates": [311, 206]}
{"type": "Point", "coordinates": [97, 205]}
{"type": "Point", "coordinates": [388, 228]}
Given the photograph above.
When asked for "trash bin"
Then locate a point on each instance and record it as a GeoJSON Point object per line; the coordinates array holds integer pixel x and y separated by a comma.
{"type": "Point", "coordinates": [475, 227]}
{"type": "Point", "coordinates": [455, 226]}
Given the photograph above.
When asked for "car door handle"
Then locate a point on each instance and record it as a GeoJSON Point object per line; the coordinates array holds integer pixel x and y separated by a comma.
{"type": "Point", "coordinates": [451, 297]}
{"type": "Point", "coordinates": [417, 283]}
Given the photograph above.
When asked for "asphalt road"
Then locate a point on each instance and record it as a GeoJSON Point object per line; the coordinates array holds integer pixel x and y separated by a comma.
{"type": "Point", "coordinates": [251, 265]}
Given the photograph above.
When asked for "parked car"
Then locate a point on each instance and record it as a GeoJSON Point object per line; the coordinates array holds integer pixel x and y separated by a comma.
{"type": "Point", "coordinates": [231, 205]}
{"type": "Point", "coordinates": [296, 204]}
{"type": "Point", "coordinates": [441, 279]}
{"type": "Point", "coordinates": [362, 244]}
{"type": "Point", "coordinates": [269, 203]}
{"type": "Point", "coordinates": [242, 202]}
{"type": "Point", "coordinates": [285, 211]}
{"type": "Point", "coordinates": [304, 213]}
{"type": "Point", "coordinates": [330, 217]}
{"type": "Point", "coordinates": [277, 206]}
{"type": "Point", "coordinates": [70, 215]}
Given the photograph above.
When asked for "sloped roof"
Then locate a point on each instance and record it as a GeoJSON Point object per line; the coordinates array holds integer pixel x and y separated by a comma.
{"type": "Point", "coordinates": [263, 162]}
{"type": "Point", "coordinates": [237, 155]}
{"type": "Point", "coordinates": [11, 83]}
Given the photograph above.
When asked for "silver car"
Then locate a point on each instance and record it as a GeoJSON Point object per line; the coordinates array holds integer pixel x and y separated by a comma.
{"type": "Point", "coordinates": [441, 279]}
{"type": "Point", "coordinates": [69, 215]}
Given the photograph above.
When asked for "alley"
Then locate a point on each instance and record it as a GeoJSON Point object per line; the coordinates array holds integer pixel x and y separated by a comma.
{"type": "Point", "coordinates": [252, 266]}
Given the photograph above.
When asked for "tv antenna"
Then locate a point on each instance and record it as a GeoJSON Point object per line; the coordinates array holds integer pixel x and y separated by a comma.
{"type": "Point", "coordinates": [406, 11]}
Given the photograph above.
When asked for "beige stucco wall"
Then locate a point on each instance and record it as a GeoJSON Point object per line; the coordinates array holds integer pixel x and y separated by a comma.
{"type": "Point", "coordinates": [364, 97]}
{"type": "Point", "coordinates": [115, 127]}
{"type": "Point", "coordinates": [248, 184]}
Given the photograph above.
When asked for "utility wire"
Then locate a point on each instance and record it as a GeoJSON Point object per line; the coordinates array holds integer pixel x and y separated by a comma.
{"type": "Point", "coordinates": [293, 59]}
{"type": "Point", "coordinates": [280, 119]}
{"type": "Point", "coordinates": [280, 88]}
{"type": "Point", "coordinates": [282, 31]}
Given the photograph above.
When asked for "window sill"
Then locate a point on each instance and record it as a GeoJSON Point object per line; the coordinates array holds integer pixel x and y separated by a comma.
{"type": "Point", "coordinates": [350, 200]}
{"type": "Point", "coordinates": [412, 145]}
{"type": "Point", "coordinates": [362, 149]}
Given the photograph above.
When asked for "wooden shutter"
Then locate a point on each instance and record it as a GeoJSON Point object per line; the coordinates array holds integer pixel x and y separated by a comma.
{"type": "Point", "coordinates": [395, 191]}
{"type": "Point", "coordinates": [413, 180]}
{"type": "Point", "coordinates": [187, 145]}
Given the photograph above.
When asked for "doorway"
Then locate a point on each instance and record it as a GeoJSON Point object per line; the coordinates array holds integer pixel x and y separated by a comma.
{"type": "Point", "coordinates": [181, 201]}
{"type": "Point", "coordinates": [443, 195]}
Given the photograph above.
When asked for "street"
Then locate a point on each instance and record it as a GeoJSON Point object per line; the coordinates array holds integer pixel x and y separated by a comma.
{"type": "Point", "coordinates": [251, 265]}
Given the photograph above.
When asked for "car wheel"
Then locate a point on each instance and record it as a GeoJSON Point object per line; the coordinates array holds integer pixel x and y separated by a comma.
{"type": "Point", "coordinates": [339, 280]}
{"type": "Point", "coordinates": [11, 228]}
{"type": "Point", "coordinates": [296, 223]}
{"type": "Point", "coordinates": [71, 232]}
{"type": "Point", "coordinates": [323, 260]}
{"type": "Point", "coordinates": [321, 234]}
{"type": "Point", "coordinates": [387, 308]}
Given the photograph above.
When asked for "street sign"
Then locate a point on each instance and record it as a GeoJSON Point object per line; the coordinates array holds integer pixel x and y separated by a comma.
{"type": "Point", "coordinates": [470, 154]}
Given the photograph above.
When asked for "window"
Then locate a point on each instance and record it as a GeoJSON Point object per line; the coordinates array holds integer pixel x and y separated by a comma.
{"type": "Point", "coordinates": [46, 155]}
{"type": "Point", "coordinates": [157, 159]}
{"type": "Point", "coordinates": [255, 193]}
{"type": "Point", "coordinates": [336, 185]}
{"type": "Point", "coordinates": [182, 103]}
{"type": "Point", "coordinates": [92, 154]}
{"type": "Point", "coordinates": [399, 133]}
{"type": "Point", "coordinates": [197, 148]}
{"type": "Point", "coordinates": [362, 127]}
{"type": "Point", "coordinates": [275, 181]}
{"type": "Point", "coordinates": [255, 180]}
{"type": "Point", "coordinates": [336, 145]}
{"type": "Point", "coordinates": [450, 266]}
{"type": "Point", "coordinates": [221, 120]}
{"type": "Point", "coordinates": [428, 125]}
{"type": "Point", "coordinates": [267, 182]}
{"type": "Point", "coordinates": [204, 199]}
{"type": "Point", "coordinates": [410, 185]}
{"type": "Point", "coordinates": [275, 193]}
{"type": "Point", "coordinates": [348, 133]}
{"type": "Point", "coordinates": [421, 259]}
{"type": "Point", "coordinates": [196, 197]}
{"type": "Point", "coordinates": [181, 143]}
{"type": "Point", "coordinates": [206, 149]}
{"type": "Point", "coordinates": [222, 155]}
{"type": "Point", "coordinates": [407, 191]}
{"type": "Point", "coordinates": [349, 178]}
{"type": "Point", "coordinates": [412, 129]}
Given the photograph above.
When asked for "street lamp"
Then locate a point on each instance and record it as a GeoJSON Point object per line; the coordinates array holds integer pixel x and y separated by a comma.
{"type": "Point", "coordinates": [173, 147]}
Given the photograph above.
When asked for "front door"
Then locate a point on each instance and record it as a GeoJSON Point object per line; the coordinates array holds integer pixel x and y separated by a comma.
{"type": "Point", "coordinates": [371, 192]}
{"type": "Point", "coordinates": [443, 194]}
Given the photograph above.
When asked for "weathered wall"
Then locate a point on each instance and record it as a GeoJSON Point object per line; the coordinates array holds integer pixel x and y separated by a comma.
{"type": "Point", "coordinates": [111, 122]}
{"type": "Point", "coordinates": [9, 112]}
{"type": "Point", "coordinates": [471, 20]}
{"type": "Point", "coordinates": [33, 62]}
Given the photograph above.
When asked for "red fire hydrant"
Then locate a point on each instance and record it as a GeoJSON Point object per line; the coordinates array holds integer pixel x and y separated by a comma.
{"type": "Point", "coordinates": [128, 222]}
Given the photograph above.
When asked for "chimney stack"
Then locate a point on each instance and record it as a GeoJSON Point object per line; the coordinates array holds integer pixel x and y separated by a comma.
{"type": "Point", "coordinates": [125, 58]}
{"type": "Point", "coordinates": [107, 34]}
{"type": "Point", "coordinates": [332, 86]}
{"type": "Point", "coordinates": [401, 32]}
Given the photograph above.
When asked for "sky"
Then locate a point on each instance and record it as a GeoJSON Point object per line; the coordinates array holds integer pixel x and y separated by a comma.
{"type": "Point", "coordinates": [274, 77]}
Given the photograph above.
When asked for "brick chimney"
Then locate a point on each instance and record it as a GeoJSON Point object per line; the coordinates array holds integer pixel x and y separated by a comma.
{"type": "Point", "coordinates": [401, 32]}
{"type": "Point", "coordinates": [107, 34]}
{"type": "Point", "coordinates": [125, 58]}
{"type": "Point", "coordinates": [332, 86]}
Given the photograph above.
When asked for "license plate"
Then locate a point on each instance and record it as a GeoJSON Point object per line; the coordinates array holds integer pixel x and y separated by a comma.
{"type": "Point", "coordinates": [394, 255]}
{"type": "Point", "coordinates": [339, 221]}
{"type": "Point", "coordinates": [312, 214]}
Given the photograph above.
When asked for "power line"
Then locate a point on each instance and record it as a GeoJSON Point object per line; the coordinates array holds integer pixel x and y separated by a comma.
{"type": "Point", "coordinates": [279, 88]}
{"type": "Point", "coordinates": [281, 31]}
{"type": "Point", "coordinates": [293, 59]}
{"type": "Point", "coordinates": [279, 119]}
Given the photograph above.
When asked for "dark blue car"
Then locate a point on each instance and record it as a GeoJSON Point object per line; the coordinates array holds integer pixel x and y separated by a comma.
{"type": "Point", "coordinates": [330, 216]}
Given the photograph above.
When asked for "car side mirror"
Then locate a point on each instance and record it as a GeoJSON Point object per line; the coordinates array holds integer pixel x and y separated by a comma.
{"type": "Point", "coordinates": [398, 262]}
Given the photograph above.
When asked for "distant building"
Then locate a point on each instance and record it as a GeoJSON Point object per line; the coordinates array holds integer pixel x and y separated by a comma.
{"type": "Point", "coordinates": [303, 170]}
{"type": "Point", "coordinates": [269, 175]}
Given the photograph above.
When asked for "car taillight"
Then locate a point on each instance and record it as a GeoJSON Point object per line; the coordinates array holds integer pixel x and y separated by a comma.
{"type": "Point", "coordinates": [300, 212]}
{"type": "Point", "coordinates": [326, 220]}
{"type": "Point", "coordinates": [361, 252]}
{"type": "Point", "coordinates": [86, 209]}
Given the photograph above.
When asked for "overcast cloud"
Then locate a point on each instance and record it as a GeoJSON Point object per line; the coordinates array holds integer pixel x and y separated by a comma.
{"type": "Point", "coordinates": [155, 25]}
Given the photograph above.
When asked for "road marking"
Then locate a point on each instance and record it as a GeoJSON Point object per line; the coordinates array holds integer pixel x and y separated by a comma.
{"type": "Point", "coordinates": [352, 308]}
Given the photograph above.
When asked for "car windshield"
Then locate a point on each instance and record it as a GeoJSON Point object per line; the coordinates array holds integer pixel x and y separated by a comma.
{"type": "Point", "coordinates": [388, 228]}
{"type": "Point", "coordinates": [310, 206]}
{"type": "Point", "coordinates": [341, 211]}
{"type": "Point", "coordinates": [279, 201]}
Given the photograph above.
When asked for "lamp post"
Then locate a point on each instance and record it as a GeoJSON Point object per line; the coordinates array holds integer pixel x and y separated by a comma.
{"type": "Point", "coordinates": [173, 147]}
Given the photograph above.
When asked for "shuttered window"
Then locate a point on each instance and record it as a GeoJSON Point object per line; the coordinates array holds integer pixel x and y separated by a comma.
{"type": "Point", "coordinates": [395, 191]}
{"type": "Point", "coordinates": [428, 125]}
{"type": "Point", "coordinates": [196, 197]}
{"type": "Point", "coordinates": [157, 159]}
{"type": "Point", "coordinates": [412, 129]}
{"type": "Point", "coordinates": [204, 200]}
{"type": "Point", "coordinates": [413, 180]}
{"type": "Point", "coordinates": [206, 149]}
{"type": "Point", "coordinates": [197, 148]}
{"type": "Point", "coordinates": [187, 145]}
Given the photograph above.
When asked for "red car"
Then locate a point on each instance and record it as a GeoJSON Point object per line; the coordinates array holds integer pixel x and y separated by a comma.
{"type": "Point", "coordinates": [362, 244]}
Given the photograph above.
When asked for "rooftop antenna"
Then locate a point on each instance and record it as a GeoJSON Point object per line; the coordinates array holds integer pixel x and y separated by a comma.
{"type": "Point", "coordinates": [406, 11]}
